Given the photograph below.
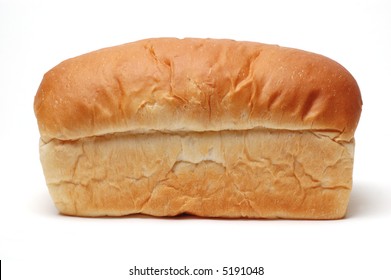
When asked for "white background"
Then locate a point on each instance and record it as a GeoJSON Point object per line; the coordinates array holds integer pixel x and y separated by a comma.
{"type": "Point", "coordinates": [38, 243]}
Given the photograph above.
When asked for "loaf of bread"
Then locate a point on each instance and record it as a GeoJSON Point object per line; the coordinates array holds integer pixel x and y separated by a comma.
{"type": "Point", "coordinates": [213, 128]}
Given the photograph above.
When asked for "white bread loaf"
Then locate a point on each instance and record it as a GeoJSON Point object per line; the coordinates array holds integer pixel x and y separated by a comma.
{"type": "Point", "coordinates": [215, 128]}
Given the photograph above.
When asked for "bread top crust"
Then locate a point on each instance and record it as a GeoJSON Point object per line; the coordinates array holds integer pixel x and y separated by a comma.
{"type": "Point", "coordinates": [169, 84]}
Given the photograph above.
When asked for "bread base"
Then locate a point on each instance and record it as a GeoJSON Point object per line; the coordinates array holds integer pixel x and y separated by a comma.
{"type": "Point", "coordinates": [254, 173]}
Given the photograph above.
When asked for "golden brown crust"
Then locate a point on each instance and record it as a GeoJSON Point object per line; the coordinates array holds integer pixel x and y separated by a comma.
{"type": "Point", "coordinates": [214, 128]}
{"type": "Point", "coordinates": [196, 85]}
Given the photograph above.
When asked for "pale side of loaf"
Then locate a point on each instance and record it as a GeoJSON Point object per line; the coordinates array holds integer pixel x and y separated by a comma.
{"type": "Point", "coordinates": [251, 173]}
{"type": "Point", "coordinates": [213, 128]}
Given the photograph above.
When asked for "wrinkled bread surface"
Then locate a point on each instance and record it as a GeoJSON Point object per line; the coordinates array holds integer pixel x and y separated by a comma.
{"type": "Point", "coordinates": [250, 173]}
{"type": "Point", "coordinates": [217, 128]}
{"type": "Point", "coordinates": [168, 84]}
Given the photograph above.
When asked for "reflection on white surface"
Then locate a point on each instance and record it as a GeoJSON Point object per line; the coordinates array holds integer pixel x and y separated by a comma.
{"type": "Point", "coordinates": [369, 200]}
